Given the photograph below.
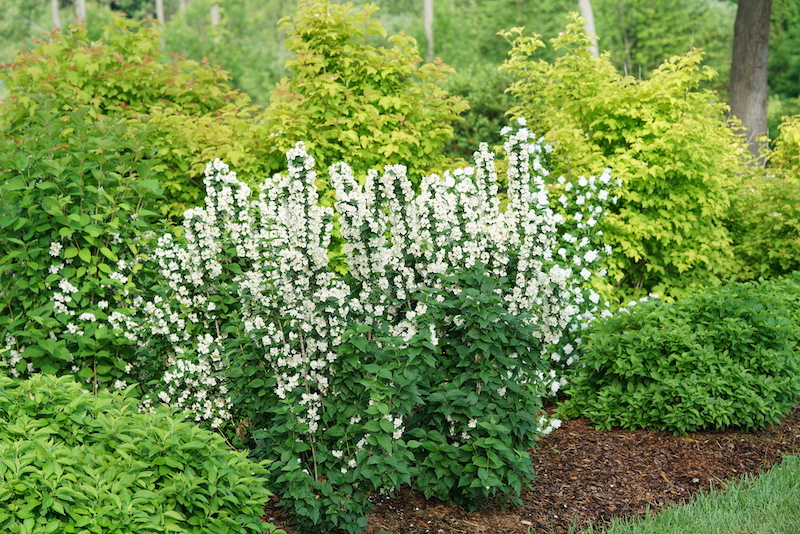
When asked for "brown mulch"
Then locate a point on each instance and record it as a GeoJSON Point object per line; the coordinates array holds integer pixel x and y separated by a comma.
{"type": "Point", "coordinates": [587, 475]}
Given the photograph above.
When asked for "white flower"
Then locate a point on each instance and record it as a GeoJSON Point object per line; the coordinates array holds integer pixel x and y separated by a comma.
{"type": "Point", "coordinates": [55, 248]}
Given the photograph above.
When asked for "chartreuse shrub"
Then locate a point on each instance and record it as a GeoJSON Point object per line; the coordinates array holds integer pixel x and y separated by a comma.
{"type": "Point", "coordinates": [77, 202]}
{"type": "Point", "coordinates": [345, 97]}
{"type": "Point", "coordinates": [764, 223]}
{"type": "Point", "coordinates": [71, 461]}
{"type": "Point", "coordinates": [726, 357]}
{"type": "Point", "coordinates": [185, 109]}
{"type": "Point", "coordinates": [664, 137]}
{"type": "Point", "coordinates": [425, 363]}
{"type": "Point", "coordinates": [350, 100]}
{"type": "Point", "coordinates": [786, 155]}
{"type": "Point", "coordinates": [764, 220]}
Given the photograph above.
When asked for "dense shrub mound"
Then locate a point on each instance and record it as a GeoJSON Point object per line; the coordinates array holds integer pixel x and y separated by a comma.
{"type": "Point", "coordinates": [723, 358]}
{"type": "Point", "coordinates": [74, 462]}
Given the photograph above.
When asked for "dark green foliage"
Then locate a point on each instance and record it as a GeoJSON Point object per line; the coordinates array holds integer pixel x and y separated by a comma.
{"type": "Point", "coordinates": [784, 62]}
{"type": "Point", "coordinates": [71, 461]}
{"type": "Point", "coordinates": [74, 201]}
{"type": "Point", "coordinates": [484, 88]}
{"type": "Point", "coordinates": [641, 35]}
{"type": "Point", "coordinates": [480, 411]}
{"type": "Point", "coordinates": [719, 359]}
{"type": "Point", "coordinates": [370, 379]}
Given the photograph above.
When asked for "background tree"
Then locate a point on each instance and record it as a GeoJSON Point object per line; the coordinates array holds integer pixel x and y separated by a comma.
{"type": "Point", "coordinates": [640, 35]}
{"type": "Point", "coordinates": [54, 11]}
{"type": "Point", "coordinates": [748, 87]}
{"type": "Point", "coordinates": [587, 13]}
{"type": "Point", "coordinates": [427, 7]}
{"type": "Point", "coordinates": [80, 11]}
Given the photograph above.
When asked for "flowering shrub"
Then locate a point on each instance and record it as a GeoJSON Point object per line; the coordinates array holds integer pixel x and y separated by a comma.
{"type": "Point", "coordinates": [74, 202]}
{"type": "Point", "coordinates": [444, 320]}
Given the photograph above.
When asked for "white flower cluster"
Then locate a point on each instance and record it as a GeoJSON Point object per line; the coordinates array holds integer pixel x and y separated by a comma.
{"type": "Point", "coordinates": [226, 230]}
{"type": "Point", "coordinates": [583, 204]}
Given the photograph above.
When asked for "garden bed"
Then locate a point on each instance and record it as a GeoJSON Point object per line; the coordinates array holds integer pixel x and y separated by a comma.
{"type": "Point", "coordinates": [584, 475]}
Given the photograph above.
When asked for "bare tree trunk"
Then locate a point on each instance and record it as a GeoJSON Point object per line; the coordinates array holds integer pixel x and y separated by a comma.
{"type": "Point", "coordinates": [162, 22]}
{"type": "Point", "coordinates": [183, 4]}
{"type": "Point", "coordinates": [748, 87]}
{"type": "Point", "coordinates": [56, 14]}
{"type": "Point", "coordinates": [427, 20]}
{"type": "Point", "coordinates": [160, 12]}
{"type": "Point", "coordinates": [80, 11]}
{"type": "Point", "coordinates": [215, 15]}
{"type": "Point", "coordinates": [586, 12]}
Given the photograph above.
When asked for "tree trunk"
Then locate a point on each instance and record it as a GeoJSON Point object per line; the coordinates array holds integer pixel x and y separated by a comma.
{"type": "Point", "coordinates": [183, 4]}
{"type": "Point", "coordinates": [160, 12]}
{"type": "Point", "coordinates": [80, 11]}
{"type": "Point", "coordinates": [427, 18]}
{"type": "Point", "coordinates": [215, 16]}
{"type": "Point", "coordinates": [748, 87]}
{"type": "Point", "coordinates": [586, 12]}
{"type": "Point", "coordinates": [56, 14]}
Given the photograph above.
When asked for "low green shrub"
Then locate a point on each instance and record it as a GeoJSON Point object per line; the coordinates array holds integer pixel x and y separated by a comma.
{"type": "Point", "coordinates": [722, 358]}
{"type": "Point", "coordinates": [75, 462]}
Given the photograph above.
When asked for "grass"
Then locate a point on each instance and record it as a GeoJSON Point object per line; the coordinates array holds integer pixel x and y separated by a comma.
{"type": "Point", "coordinates": [769, 504]}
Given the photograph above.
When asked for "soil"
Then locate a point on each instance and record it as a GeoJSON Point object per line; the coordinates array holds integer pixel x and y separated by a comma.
{"type": "Point", "coordinates": [585, 475]}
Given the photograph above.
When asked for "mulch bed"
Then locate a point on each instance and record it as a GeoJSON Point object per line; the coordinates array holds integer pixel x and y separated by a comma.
{"type": "Point", "coordinates": [586, 475]}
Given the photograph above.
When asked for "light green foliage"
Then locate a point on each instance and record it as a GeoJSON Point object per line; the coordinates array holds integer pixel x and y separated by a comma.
{"type": "Point", "coordinates": [718, 359]}
{"type": "Point", "coordinates": [74, 201]}
{"type": "Point", "coordinates": [76, 462]}
{"type": "Point", "coordinates": [785, 157]}
{"type": "Point", "coordinates": [765, 227]}
{"type": "Point", "coordinates": [352, 101]}
{"type": "Point", "coordinates": [764, 221]}
{"type": "Point", "coordinates": [188, 112]}
{"type": "Point", "coordinates": [666, 140]}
